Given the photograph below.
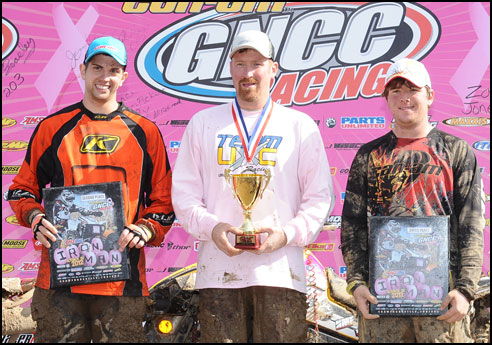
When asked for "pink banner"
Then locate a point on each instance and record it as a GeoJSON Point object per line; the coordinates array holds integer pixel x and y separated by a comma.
{"type": "Point", "coordinates": [333, 59]}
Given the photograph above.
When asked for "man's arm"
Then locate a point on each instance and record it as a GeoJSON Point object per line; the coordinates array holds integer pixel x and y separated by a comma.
{"type": "Point", "coordinates": [469, 209]}
{"type": "Point", "coordinates": [188, 184]}
{"type": "Point", "coordinates": [354, 234]}
{"type": "Point", "coordinates": [158, 214]}
{"type": "Point", "coordinates": [316, 187]}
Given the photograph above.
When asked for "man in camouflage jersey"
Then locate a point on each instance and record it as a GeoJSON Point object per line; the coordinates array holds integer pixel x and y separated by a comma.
{"type": "Point", "coordinates": [415, 170]}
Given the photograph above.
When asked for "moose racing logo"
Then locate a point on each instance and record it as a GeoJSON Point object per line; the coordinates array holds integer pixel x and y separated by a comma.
{"type": "Point", "coordinates": [326, 51]}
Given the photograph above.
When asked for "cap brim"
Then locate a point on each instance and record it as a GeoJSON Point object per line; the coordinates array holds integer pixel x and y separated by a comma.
{"type": "Point", "coordinates": [246, 46]}
{"type": "Point", "coordinates": [116, 58]}
{"type": "Point", "coordinates": [400, 76]}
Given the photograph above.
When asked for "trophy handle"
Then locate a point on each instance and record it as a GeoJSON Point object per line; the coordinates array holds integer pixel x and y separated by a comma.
{"type": "Point", "coordinates": [268, 176]}
{"type": "Point", "coordinates": [228, 178]}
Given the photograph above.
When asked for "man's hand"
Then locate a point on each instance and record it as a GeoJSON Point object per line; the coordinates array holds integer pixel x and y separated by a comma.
{"type": "Point", "coordinates": [459, 307]}
{"type": "Point", "coordinates": [276, 239]}
{"type": "Point", "coordinates": [363, 297]}
{"type": "Point", "coordinates": [46, 230]}
{"type": "Point", "coordinates": [130, 239]}
{"type": "Point", "coordinates": [219, 236]}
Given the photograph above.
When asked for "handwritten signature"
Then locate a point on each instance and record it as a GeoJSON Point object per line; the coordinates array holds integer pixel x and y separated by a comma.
{"type": "Point", "coordinates": [165, 109]}
{"type": "Point", "coordinates": [75, 56]}
{"type": "Point", "coordinates": [474, 107]}
{"type": "Point", "coordinates": [24, 52]}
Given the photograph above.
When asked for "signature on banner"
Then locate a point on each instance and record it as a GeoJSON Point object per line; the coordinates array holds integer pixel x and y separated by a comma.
{"type": "Point", "coordinates": [24, 52]}
{"type": "Point", "coordinates": [475, 96]}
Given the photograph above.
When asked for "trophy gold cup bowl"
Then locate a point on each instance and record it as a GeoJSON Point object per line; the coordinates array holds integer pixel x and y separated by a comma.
{"type": "Point", "coordinates": [247, 189]}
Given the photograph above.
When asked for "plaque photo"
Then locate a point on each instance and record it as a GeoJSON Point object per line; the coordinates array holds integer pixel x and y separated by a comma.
{"type": "Point", "coordinates": [409, 265]}
{"type": "Point", "coordinates": [89, 219]}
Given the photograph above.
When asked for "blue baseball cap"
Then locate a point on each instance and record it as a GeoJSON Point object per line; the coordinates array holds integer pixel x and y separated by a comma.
{"type": "Point", "coordinates": [107, 45]}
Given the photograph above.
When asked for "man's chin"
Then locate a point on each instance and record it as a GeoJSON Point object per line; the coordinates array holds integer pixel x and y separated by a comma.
{"type": "Point", "coordinates": [247, 96]}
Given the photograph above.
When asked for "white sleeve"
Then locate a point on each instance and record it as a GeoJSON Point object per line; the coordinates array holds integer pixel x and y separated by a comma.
{"type": "Point", "coordinates": [316, 186]}
{"type": "Point", "coordinates": [187, 185]}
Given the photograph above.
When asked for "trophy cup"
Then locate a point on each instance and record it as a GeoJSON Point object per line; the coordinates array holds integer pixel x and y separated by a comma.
{"type": "Point", "coordinates": [247, 187]}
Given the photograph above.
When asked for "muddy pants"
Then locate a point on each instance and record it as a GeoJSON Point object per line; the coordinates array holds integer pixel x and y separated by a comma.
{"type": "Point", "coordinates": [65, 317]}
{"type": "Point", "coordinates": [423, 329]}
{"type": "Point", "coordinates": [258, 313]}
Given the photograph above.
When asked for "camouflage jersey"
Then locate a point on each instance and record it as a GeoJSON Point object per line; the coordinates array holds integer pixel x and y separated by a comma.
{"type": "Point", "coordinates": [430, 176]}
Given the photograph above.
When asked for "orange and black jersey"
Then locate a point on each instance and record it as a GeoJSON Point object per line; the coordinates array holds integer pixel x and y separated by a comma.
{"type": "Point", "coordinates": [75, 146]}
{"type": "Point", "coordinates": [430, 176]}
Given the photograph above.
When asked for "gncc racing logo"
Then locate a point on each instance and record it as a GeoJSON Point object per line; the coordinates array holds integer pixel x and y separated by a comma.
{"type": "Point", "coordinates": [326, 51]}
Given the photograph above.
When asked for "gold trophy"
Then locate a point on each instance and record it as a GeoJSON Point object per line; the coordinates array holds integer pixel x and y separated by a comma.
{"type": "Point", "coordinates": [247, 187]}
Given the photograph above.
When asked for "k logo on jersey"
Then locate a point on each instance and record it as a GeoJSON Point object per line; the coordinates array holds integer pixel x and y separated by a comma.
{"type": "Point", "coordinates": [99, 144]}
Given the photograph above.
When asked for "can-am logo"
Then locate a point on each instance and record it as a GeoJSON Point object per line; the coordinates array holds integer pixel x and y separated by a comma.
{"type": "Point", "coordinates": [326, 51]}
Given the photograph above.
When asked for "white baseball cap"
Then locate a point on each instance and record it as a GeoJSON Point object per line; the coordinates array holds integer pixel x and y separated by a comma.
{"type": "Point", "coordinates": [411, 70]}
{"type": "Point", "coordinates": [253, 39]}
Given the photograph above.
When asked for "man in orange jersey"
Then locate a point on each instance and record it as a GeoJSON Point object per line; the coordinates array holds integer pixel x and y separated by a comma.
{"type": "Point", "coordinates": [108, 311]}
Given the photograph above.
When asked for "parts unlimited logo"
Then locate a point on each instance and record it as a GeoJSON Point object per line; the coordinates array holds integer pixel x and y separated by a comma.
{"type": "Point", "coordinates": [326, 51]}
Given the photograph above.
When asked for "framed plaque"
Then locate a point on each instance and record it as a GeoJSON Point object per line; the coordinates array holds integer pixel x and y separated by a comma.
{"type": "Point", "coordinates": [89, 219]}
{"type": "Point", "coordinates": [409, 265]}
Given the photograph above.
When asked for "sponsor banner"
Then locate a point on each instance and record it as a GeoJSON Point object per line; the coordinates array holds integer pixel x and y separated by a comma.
{"type": "Point", "coordinates": [10, 169]}
{"type": "Point", "coordinates": [23, 338]}
{"type": "Point", "coordinates": [333, 58]}
{"type": "Point", "coordinates": [482, 145]}
{"type": "Point", "coordinates": [14, 244]}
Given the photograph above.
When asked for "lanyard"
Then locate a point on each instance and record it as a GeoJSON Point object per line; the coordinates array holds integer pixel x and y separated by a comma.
{"type": "Point", "coordinates": [250, 143]}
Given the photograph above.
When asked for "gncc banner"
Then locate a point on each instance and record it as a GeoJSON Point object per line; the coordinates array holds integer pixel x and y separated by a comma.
{"type": "Point", "coordinates": [333, 58]}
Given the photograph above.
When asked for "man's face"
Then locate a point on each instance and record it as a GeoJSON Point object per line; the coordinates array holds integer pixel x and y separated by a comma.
{"type": "Point", "coordinates": [253, 76]}
{"type": "Point", "coordinates": [103, 76]}
{"type": "Point", "coordinates": [409, 105]}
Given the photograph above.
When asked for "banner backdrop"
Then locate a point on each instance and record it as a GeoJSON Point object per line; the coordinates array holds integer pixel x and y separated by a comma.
{"type": "Point", "coordinates": [333, 59]}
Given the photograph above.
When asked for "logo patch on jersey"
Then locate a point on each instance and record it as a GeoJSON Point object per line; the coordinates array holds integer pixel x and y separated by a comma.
{"type": "Point", "coordinates": [99, 144]}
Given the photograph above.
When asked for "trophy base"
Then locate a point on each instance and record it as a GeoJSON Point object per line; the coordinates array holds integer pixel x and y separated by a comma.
{"type": "Point", "coordinates": [247, 241]}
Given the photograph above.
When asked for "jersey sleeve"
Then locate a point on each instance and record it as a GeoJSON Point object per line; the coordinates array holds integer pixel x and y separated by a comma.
{"type": "Point", "coordinates": [355, 232]}
{"type": "Point", "coordinates": [469, 208]}
{"type": "Point", "coordinates": [316, 186]}
{"type": "Point", "coordinates": [188, 189]}
{"type": "Point", "coordinates": [158, 208]}
{"type": "Point", "coordinates": [24, 194]}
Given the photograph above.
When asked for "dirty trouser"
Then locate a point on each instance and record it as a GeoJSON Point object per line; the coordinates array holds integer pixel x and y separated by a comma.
{"type": "Point", "coordinates": [412, 329]}
{"type": "Point", "coordinates": [65, 317]}
{"type": "Point", "coordinates": [259, 313]}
